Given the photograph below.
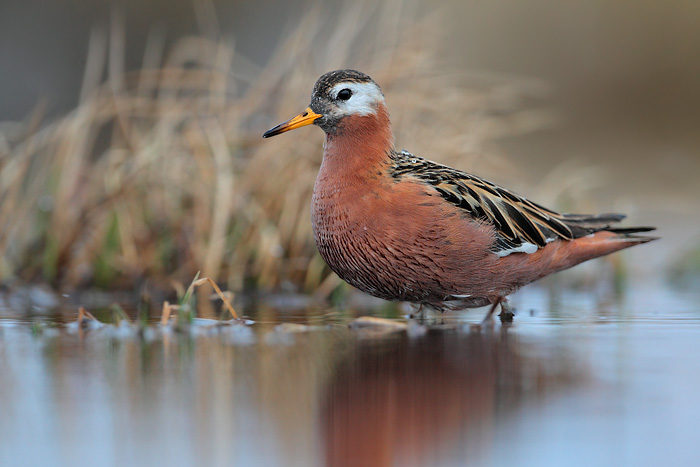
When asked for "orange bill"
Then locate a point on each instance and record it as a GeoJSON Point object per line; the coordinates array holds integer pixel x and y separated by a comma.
{"type": "Point", "coordinates": [307, 117]}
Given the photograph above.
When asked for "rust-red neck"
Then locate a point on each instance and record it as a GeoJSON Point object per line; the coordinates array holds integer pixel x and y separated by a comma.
{"type": "Point", "coordinates": [362, 144]}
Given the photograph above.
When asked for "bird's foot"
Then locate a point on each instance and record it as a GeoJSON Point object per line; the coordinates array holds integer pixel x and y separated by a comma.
{"type": "Point", "coordinates": [419, 313]}
{"type": "Point", "coordinates": [487, 321]}
{"type": "Point", "coordinates": [506, 313]}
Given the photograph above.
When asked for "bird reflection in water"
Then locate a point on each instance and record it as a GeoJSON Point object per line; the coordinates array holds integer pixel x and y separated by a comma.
{"type": "Point", "coordinates": [433, 399]}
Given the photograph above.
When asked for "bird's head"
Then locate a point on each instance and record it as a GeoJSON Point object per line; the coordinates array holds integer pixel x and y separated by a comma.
{"type": "Point", "coordinates": [337, 95]}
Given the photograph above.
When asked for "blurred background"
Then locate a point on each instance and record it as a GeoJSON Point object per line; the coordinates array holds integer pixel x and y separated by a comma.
{"type": "Point", "coordinates": [131, 158]}
{"type": "Point", "coordinates": [130, 149]}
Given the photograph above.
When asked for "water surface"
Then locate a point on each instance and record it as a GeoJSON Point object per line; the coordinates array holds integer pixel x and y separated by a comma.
{"type": "Point", "coordinates": [577, 379]}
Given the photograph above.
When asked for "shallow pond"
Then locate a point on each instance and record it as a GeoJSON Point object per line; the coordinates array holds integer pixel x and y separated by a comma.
{"type": "Point", "coordinates": [575, 380]}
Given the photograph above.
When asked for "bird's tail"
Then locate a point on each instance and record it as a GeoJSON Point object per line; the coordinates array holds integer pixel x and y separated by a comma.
{"type": "Point", "coordinates": [586, 224]}
{"type": "Point", "coordinates": [631, 230]}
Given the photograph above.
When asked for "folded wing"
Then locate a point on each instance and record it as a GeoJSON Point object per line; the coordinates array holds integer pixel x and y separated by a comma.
{"type": "Point", "coordinates": [520, 224]}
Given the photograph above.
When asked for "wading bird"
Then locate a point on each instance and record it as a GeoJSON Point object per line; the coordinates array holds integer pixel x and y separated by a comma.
{"type": "Point", "coordinates": [401, 227]}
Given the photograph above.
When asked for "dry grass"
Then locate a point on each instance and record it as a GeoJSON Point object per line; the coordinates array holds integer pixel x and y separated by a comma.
{"type": "Point", "coordinates": [162, 172]}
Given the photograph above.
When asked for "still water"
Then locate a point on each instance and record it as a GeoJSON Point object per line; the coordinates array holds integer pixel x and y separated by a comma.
{"type": "Point", "coordinates": [575, 380]}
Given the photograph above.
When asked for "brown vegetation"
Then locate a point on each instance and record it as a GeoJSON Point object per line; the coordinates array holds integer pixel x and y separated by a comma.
{"type": "Point", "coordinates": [161, 172]}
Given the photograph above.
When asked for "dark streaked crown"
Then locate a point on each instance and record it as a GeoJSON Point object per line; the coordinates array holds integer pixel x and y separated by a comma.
{"type": "Point", "coordinates": [330, 79]}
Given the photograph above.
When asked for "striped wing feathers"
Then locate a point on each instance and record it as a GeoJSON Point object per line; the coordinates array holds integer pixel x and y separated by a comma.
{"type": "Point", "coordinates": [516, 219]}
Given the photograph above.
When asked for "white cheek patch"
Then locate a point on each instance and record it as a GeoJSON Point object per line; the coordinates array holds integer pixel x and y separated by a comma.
{"type": "Point", "coordinates": [364, 100]}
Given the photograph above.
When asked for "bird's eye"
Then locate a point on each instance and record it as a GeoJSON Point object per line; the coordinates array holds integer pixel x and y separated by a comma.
{"type": "Point", "coordinates": [344, 94]}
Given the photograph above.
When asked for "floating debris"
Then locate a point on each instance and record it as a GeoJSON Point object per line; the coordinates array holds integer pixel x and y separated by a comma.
{"type": "Point", "coordinates": [368, 326]}
{"type": "Point", "coordinates": [296, 327]}
{"type": "Point", "coordinates": [85, 322]}
{"type": "Point", "coordinates": [291, 328]}
{"type": "Point", "coordinates": [365, 322]}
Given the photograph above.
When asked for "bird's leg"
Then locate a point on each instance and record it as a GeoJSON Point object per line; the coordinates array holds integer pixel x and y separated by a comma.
{"type": "Point", "coordinates": [487, 318]}
{"type": "Point", "coordinates": [418, 314]}
{"type": "Point", "coordinates": [506, 314]}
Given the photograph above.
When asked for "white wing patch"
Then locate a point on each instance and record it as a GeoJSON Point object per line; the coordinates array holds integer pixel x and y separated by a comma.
{"type": "Point", "coordinates": [525, 247]}
{"type": "Point", "coordinates": [364, 100]}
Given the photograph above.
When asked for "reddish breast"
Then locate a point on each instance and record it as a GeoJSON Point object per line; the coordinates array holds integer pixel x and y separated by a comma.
{"type": "Point", "coordinates": [394, 239]}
